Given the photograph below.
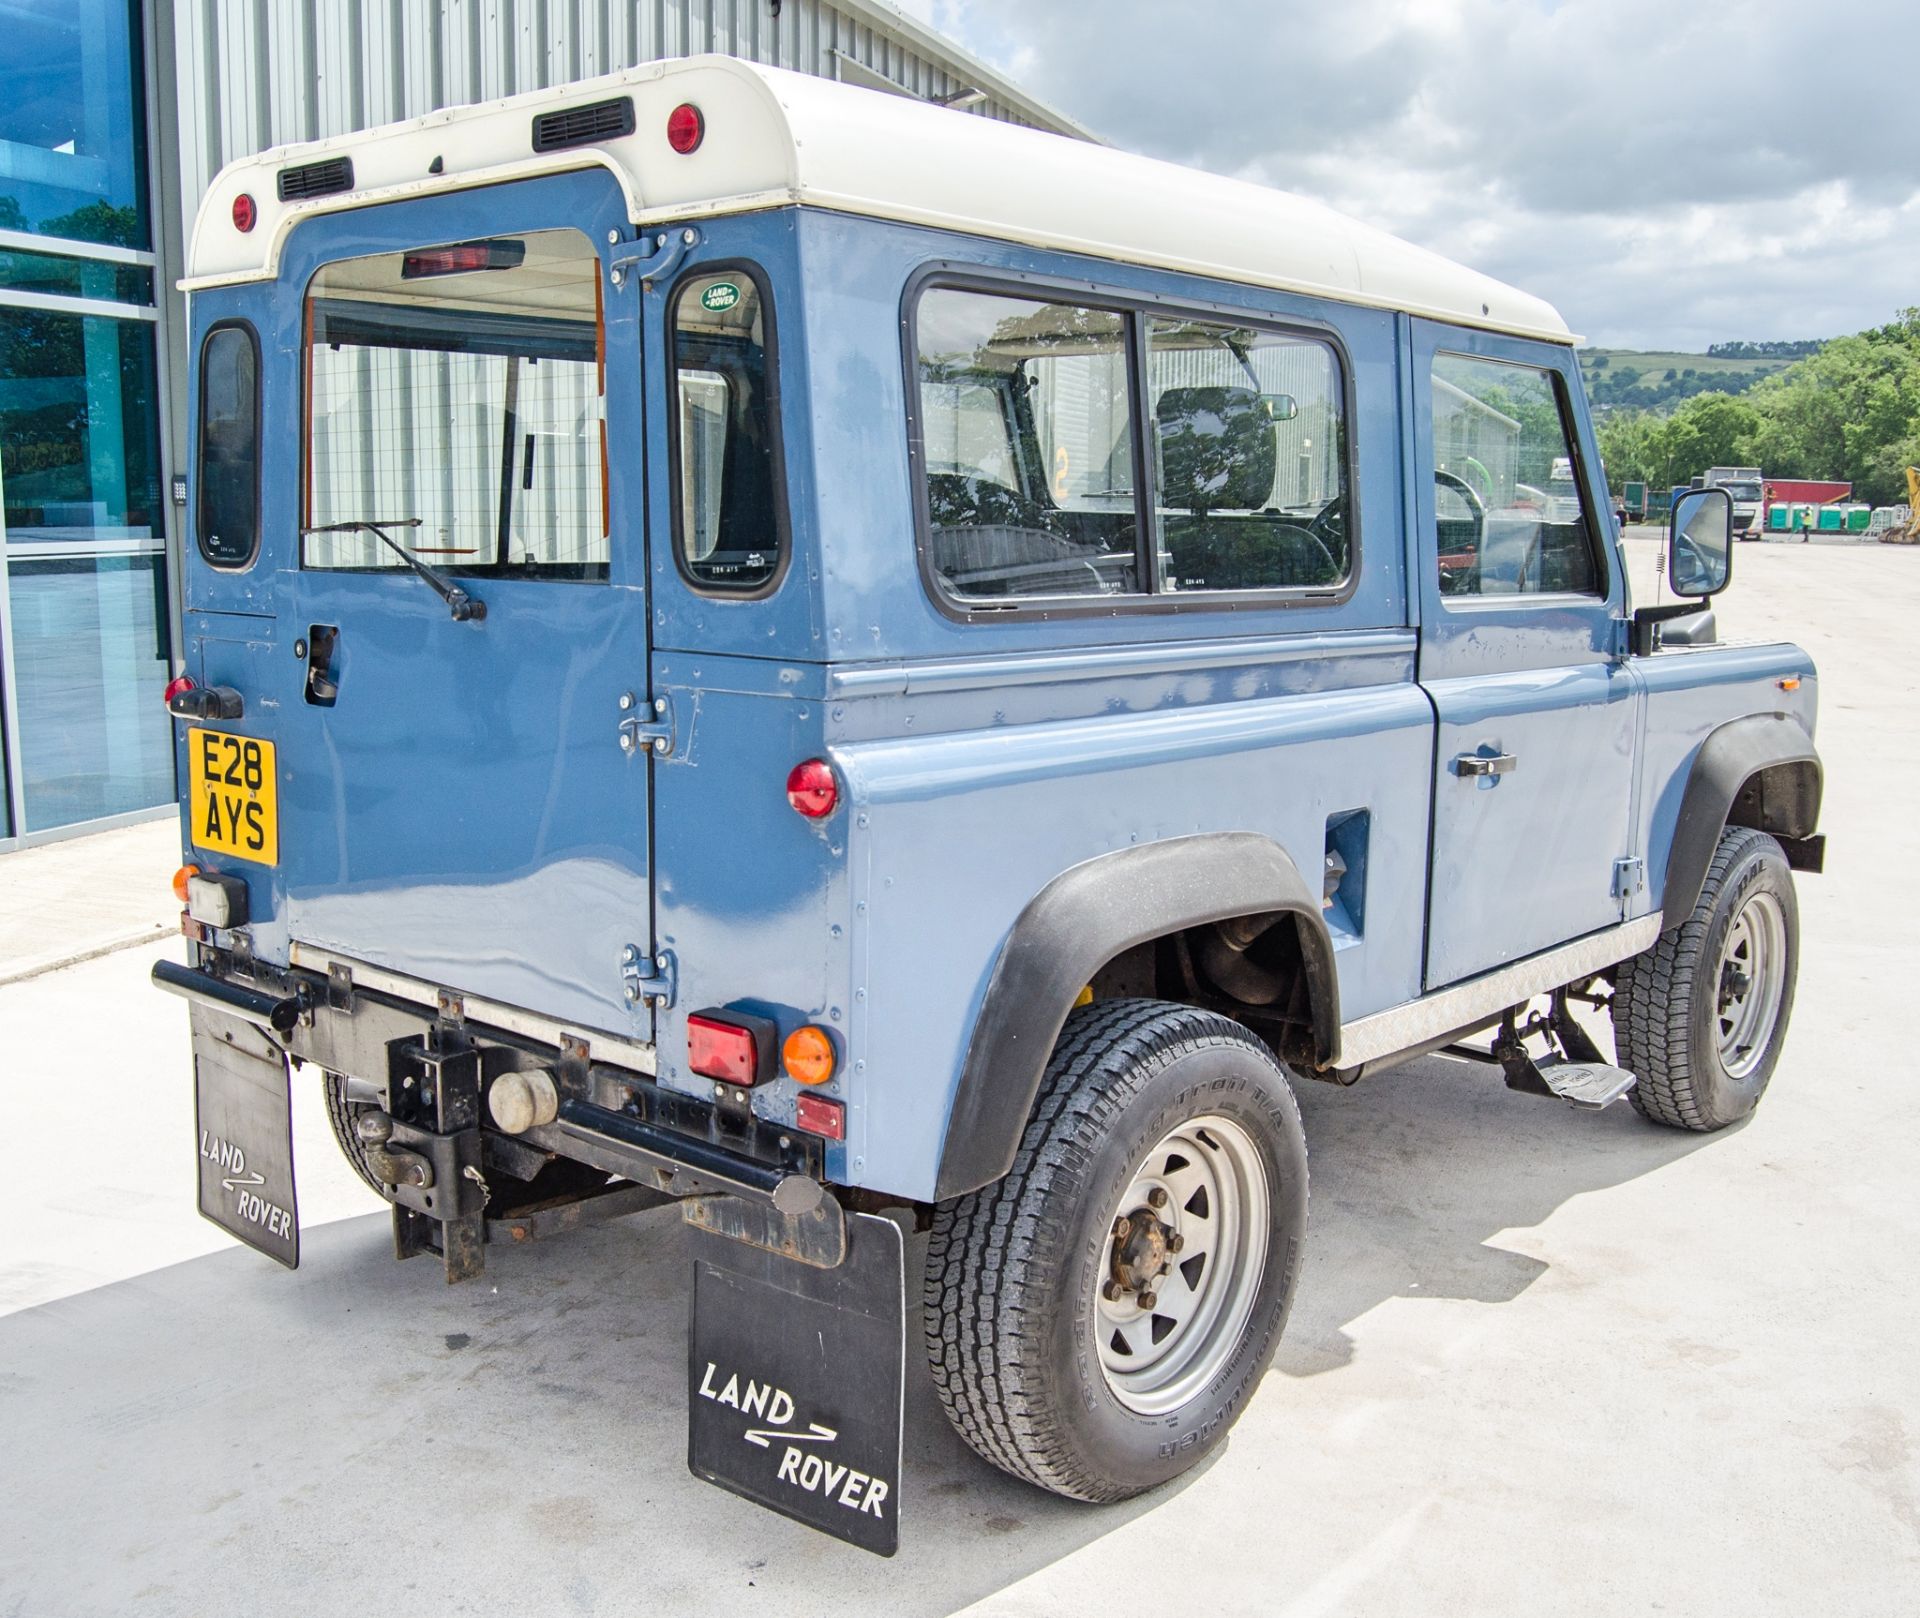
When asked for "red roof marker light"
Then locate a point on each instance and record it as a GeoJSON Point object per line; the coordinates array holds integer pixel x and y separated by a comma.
{"type": "Point", "coordinates": [812, 789]}
{"type": "Point", "coordinates": [686, 128]}
{"type": "Point", "coordinates": [245, 214]}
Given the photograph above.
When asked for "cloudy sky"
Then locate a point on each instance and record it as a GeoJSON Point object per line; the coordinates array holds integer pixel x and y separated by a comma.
{"type": "Point", "coordinates": [1670, 173]}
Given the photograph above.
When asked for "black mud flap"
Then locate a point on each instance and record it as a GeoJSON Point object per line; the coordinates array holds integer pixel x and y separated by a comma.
{"type": "Point", "coordinates": [794, 1380]}
{"type": "Point", "coordinates": [243, 1117]}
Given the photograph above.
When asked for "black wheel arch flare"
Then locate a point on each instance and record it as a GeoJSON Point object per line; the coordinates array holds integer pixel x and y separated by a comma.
{"type": "Point", "coordinates": [1078, 922]}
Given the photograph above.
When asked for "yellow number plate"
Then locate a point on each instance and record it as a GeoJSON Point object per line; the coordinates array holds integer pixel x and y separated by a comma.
{"type": "Point", "coordinates": [232, 797]}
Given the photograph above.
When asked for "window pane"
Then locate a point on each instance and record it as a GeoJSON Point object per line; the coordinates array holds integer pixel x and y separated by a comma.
{"type": "Point", "coordinates": [74, 277]}
{"type": "Point", "coordinates": [467, 399]}
{"type": "Point", "coordinates": [79, 434]}
{"type": "Point", "coordinates": [1509, 512]}
{"type": "Point", "coordinates": [90, 653]}
{"type": "Point", "coordinates": [729, 505]}
{"type": "Point", "coordinates": [73, 121]}
{"type": "Point", "coordinates": [1026, 421]}
{"type": "Point", "coordinates": [1250, 486]}
{"type": "Point", "coordinates": [229, 479]}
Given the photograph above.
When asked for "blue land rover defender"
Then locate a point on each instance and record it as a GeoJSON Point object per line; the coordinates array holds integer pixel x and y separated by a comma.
{"type": "Point", "coordinates": [855, 669]}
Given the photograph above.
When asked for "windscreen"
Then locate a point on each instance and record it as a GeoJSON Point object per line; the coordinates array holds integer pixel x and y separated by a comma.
{"type": "Point", "coordinates": [456, 396]}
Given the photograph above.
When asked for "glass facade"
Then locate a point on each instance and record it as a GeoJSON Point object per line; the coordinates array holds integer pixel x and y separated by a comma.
{"type": "Point", "coordinates": [84, 622]}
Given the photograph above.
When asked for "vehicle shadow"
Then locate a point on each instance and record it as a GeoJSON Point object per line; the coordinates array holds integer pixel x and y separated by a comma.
{"type": "Point", "coordinates": [363, 1435]}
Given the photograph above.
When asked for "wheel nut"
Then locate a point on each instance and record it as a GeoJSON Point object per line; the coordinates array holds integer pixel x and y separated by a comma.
{"type": "Point", "coordinates": [1149, 1299]}
{"type": "Point", "coordinates": [1175, 1242]}
{"type": "Point", "coordinates": [1122, 1228]}
{"type": "Point", "coordinates": [1113, 1292]}
{"type": "Point", "coordinates": [1157, 1197]}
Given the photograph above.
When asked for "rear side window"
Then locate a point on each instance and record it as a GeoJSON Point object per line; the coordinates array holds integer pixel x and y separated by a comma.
{"type": "Point", "coordinates": [1250, 487]}
{"type": "Point", "coordinates": [1509, 515]}
{"type": "Point", "coordinates": [228, 520]}
{"type": "Point", "coordinates": [730, 522]}
{"type": "Point", "coordinates": [1027, 427]}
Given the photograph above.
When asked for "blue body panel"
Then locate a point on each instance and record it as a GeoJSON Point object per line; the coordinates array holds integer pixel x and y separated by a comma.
{"type": "Point", "coordinates": [464, 814]}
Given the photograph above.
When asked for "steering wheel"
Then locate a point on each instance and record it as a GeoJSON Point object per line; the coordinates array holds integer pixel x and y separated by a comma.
{"type": "Point", "coordinates": [1451, 581]}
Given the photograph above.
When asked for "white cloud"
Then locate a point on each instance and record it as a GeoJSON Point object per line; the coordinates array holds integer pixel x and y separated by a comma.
{"type": "Point", "coordinates": [1667, 171]}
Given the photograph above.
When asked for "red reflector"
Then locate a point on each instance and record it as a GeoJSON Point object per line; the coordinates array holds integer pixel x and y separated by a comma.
{"type": "Point", "coordinates": [719, 1050]}
{"type": "Point", "coordinates": [686, 128]}
{"type": "Point", "coordinates": [179, 686]}
{"type": "Point", "coordinates": [819, 1116]}
{"type": "Point", "coordinates": [463, 258]}
{"type": "Point", "coordinates": [245, 214]}
{"type": "Point", "coordinates": [812, 789]}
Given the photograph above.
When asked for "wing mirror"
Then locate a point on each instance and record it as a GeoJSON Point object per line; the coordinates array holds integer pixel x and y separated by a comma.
{"type": "Point", "coordinates": [1700, 543]}
{"type": "Point", "coordinates": [1281, 406]}
{"type": "Point", "coordinates": [1699, 561]}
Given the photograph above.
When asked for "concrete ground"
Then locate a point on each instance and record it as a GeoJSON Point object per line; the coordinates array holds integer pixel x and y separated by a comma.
{"type": "Point", "coordinates": [1542, 1362]}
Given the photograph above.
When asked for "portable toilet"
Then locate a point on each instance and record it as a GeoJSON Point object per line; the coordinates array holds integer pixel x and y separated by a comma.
{"type": "Point", "coordinates": [1859, 518]}
{"type": "Point", "coordinates": [1779, 516]}
{"type": "Point", "coordinates": [1832, 520]}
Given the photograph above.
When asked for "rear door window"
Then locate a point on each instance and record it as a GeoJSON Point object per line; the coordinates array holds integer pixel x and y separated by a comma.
{"type": "Point", "coordinates": [456, 396]}
{"type": "Point", "coordinates": [730, 519]}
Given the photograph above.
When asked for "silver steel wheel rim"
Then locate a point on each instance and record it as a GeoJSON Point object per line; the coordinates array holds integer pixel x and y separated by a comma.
{"type": "Point", "coordinates": [1753, 974]}
{"type": "Point", "coordinates": [1214, 1206]}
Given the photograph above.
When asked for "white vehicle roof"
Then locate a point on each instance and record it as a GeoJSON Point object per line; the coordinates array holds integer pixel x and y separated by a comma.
{"type": "Point", "coordinates": [777, 138]}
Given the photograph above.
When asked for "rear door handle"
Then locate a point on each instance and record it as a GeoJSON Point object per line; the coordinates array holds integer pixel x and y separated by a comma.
{"type": "Point", "coordinates": [1473, 764]}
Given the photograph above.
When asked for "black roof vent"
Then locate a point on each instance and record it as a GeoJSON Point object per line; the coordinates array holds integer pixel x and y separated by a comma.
{"type": "Point", "coordinates": [316, 179]}
{"type": "Point", "coordinates": [582, 126]}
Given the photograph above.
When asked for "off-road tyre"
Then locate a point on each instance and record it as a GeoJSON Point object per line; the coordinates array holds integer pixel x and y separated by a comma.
{"type": "Point", "coordinates": [341, 1112]}
{"type": "Point", "coordinates": [1012, 1304]}
{"type": "Point", "coordinates": [1667, 1000]}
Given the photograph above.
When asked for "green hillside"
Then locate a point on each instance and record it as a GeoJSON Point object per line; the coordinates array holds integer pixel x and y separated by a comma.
{"type": "Point", "coordinates": [1641, 379]}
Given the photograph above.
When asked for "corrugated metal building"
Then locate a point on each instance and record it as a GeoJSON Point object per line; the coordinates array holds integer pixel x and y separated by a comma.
{"type": "Point", "coordinates": [114, 114]}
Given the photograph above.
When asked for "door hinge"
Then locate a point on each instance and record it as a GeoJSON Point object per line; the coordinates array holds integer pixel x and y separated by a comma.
{"type": "Point", "coordinates": [1629, 876]}
{"type": "Point", "coordinates": [1619, 638]}
{"type": "Point", "coordinates": [653, 733]}
{"type": "Point", "coordinates": [651, 978]}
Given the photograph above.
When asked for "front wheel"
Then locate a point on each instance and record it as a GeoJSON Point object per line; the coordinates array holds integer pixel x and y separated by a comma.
{"type": "Point", "coordinates": [1701, 1016]}
{"type": "Point", "coordinates": [1097, 1320]}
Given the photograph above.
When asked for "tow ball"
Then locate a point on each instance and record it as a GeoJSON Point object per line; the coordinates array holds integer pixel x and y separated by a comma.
{"type": "Point", "coordinates": [390, 1166]}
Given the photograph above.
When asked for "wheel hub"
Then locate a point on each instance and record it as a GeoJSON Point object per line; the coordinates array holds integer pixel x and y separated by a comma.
{"type": "Point", "coordinates": [1142, 1249]}
{"type": "Point", "coordinates": [1184, 1254]}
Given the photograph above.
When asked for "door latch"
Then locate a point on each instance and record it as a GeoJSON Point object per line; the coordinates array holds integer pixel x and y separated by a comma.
{"type": "Point", "coordinates": [651, 978]}
{"type": "Point", "coordinates": [1469, 765]}
{"type": "Point", "coordinates": [649, 734]}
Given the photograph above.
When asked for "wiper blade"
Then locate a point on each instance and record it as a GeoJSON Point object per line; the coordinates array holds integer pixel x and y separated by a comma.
{"type": "Point", "coordinates": [465, 608]}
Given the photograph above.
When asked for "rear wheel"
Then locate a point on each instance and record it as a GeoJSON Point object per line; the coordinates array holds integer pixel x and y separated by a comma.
{"type": "Point", "coordinates": [1097, 1320]}
{"type": "Point", "coordinates": [1701, 1016]}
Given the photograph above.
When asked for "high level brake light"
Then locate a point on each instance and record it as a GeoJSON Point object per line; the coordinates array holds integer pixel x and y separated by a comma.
{"type": "Point", "coordinates": [462, 258]}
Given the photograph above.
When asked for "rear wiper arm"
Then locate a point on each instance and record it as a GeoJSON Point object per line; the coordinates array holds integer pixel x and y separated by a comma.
{"type": "Point", "coordinates": [464, 607]}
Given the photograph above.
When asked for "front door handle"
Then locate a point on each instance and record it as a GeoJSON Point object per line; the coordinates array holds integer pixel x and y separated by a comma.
{"type": "Point", "coordinates": [1477, 764]}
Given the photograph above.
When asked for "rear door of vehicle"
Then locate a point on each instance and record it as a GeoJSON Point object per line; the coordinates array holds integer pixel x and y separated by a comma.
{"type": "Point", "coordinates": [1521, 652]}
{"type": "Point", "coordinates": [456, 803]}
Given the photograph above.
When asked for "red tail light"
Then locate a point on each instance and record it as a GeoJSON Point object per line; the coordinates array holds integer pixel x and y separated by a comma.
{"type": "Point", "coordinates": [686, 128]}
{"type": "Point", "coordinates": [812, 789]}
{"type": "Point", "coordinates": [245, 214]}
{"type": "Point", "coordinates": [179, 686]}
{"type": "Point", "coordinates": [734, 1047]}
{"type": "Point", "coordinates": [819, 1116]}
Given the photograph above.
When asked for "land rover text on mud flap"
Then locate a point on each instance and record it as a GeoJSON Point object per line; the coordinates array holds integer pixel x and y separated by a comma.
{"type": "Point", "coordinates": [769, 647]}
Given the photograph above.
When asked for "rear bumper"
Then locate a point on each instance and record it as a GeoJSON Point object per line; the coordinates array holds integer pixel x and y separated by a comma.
{"type": "Point", "coordinates": [612, 1116]}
